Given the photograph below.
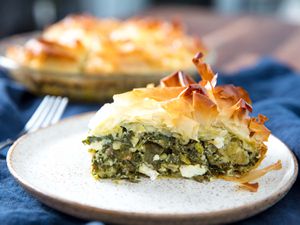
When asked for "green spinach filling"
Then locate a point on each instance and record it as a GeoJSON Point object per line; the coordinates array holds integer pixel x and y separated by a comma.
{"type": "Point", "coordinates": [120, 155]}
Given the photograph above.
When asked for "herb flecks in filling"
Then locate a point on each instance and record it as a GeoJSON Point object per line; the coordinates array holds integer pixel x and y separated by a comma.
{"type": "Point", "coordinates": [128, 154]}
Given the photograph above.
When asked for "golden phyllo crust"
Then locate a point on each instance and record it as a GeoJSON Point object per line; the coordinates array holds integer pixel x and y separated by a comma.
{"type": "Point", "coordinates": [46, 55]}
{"type": "Point", "coordinates": [85, 44]}
{"type": "Point", "coordinates": [207, 103]}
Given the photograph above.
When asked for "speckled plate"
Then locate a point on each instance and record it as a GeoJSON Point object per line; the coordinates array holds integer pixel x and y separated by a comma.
{"type": "Point", "coordinates": [53, 166]}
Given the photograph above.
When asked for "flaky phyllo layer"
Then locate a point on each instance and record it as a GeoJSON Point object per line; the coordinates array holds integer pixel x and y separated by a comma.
{"type": "Point", "coordinates": [82, 44]}
{"type": "Point", "coordinates": [180, 129]}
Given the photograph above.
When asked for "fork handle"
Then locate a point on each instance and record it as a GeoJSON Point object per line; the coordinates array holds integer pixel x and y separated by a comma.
{"type": "Point", "coordinates": [6, 143]}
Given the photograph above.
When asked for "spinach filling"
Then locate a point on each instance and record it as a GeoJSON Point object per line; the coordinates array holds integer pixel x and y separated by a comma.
{"type": "Point", "coordinates": [119, 156]}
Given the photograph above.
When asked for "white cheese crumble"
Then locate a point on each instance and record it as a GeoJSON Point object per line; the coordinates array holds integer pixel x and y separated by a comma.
{"type": "Point", "coordinates": [155, 157]}
{"type": "Point", "coordinates": [148, 171]}
{"type": "Point", "coordinates": [219, 142]}
{"type": "Point", "coordinates": [189, 171]}
{"type": "Point", "coordinates": [116, 145]}
{"type": "Point", "coordinates": [95, 145]}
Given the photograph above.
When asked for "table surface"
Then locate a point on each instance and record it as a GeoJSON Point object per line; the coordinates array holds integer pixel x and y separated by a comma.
{"type": "Point", "coordinates": [238, 40]}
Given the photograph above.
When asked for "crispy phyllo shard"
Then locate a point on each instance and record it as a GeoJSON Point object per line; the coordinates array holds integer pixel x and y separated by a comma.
{"type": "Point", "coordinates": [205, 71]}
{"type": "Point", "coordinates": [239, 111]}
{"type": "Point", "coordinates": [180, 129]}
{"type": "Point", "coordinates": [230, 94]}
{"type": "Point", "coordinates": [178, 79]}
{"type": "Point", "coordinates": [204, 107]}
{"type": "Point", "coordinates": [257, 128]}
{"type": "Point", "coordinates": [255, 174]}
{"type": "Point", "coordinates": [252, 187]}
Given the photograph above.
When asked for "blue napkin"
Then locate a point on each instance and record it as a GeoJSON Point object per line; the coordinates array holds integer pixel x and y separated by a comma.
{"type": "Point", "coordinates": [273, 87]}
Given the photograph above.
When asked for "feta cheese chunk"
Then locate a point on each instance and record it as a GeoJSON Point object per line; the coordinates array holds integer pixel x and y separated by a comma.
{"type": "Point", "coordinates": [155, 157]}
{"type": "Point", "coordinates": [219, 142]}
{"type": "Point", "coordinates": [189, 171]}
{"type": "Point", "coordinates": [148, 172]}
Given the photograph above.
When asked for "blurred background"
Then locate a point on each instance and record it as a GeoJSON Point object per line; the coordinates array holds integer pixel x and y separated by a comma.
{"type": "Point", "coordinates": [240, 31]}
{"type": "Point", "coordinates": [26, 15]}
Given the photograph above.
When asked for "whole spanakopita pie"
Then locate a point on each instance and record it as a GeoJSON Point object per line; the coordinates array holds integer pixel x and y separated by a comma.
{"type": "Point", "coordinates": [83, 44]}
{"type": "Point", "coordinates": [181, 128]}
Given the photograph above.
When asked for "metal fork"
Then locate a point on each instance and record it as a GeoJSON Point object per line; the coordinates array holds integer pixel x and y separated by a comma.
{"type": "Point", "coordinates": [48, 112]}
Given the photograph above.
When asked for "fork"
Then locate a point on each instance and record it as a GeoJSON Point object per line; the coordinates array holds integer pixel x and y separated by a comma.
{"type": "Point", "coordinates": [48, 112]}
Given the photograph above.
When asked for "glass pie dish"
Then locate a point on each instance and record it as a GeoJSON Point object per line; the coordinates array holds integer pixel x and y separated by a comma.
{"type": "Point", "coordinates": [80, 86]}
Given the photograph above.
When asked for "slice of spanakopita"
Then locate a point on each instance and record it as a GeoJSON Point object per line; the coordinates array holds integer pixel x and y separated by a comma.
{"type": "Point", "coordinates": [180, 128]}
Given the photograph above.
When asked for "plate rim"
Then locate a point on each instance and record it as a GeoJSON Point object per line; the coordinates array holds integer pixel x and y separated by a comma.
{"type": "Point", "coordinates": [78, 209]}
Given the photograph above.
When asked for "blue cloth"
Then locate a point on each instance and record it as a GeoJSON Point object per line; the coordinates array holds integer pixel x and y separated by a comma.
{"type": "Point", "coordinates": [273, 87]}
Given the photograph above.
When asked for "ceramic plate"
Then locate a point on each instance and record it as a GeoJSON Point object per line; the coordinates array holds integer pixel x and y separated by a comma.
{"type": "Point", "coordinates": [54, 166]}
